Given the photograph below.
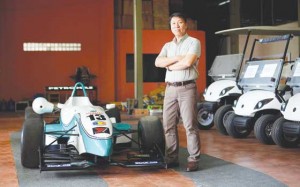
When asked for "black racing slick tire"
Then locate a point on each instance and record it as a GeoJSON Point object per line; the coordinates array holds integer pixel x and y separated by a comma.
{"type": "Point", "coordinates": [280, 138]}
{"type": "Point", "coordinates": [31, 140]}
{"type": "Point", "coordinates": [114, 112]}
{"type": "Point", "coordinates": [220, 117]}
{"type": "Point", "coordinates": [263, 128]}
{"type": "Point", "coordinates": [29, 113]}
{"type": "Point", "coordinates": [150, 132]}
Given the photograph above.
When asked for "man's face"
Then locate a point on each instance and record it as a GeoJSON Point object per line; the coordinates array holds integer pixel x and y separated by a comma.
{"type": "Point", "coordinates": [178, 26]}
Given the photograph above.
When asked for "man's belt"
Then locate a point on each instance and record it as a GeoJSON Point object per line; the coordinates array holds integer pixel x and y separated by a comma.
{"type": "Point", "coordinates": [182, 83]}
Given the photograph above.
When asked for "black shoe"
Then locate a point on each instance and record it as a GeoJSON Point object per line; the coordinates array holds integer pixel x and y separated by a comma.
{"type": "Point", "coordinates": [172, 165]}
{"type": "Point", "coordinates": [192, 166]}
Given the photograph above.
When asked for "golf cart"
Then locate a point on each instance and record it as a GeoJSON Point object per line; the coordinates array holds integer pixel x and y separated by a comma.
{"type": "Point", "coordinates": [263, 85]}
{"type": "Point", "coordinates": [220, 95]}
{"type": "Point", "coordinates": [223, 91]}
{"type": "Point", "coordinates": [286, 129]}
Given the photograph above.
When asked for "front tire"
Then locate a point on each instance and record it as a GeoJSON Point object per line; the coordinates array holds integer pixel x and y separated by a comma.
{"type": "Point", "coordinates": [150, 132]}
{"type": "Point", "coordinates": [29, 113]}
{"type": "Point", "coordinates": [220, 117]}
{"type": "Point", "coordinates": [31, 141]}
{"type": "Point", "coordinates": [263, 128]}
{"type": "Point", "coordinates": [235, 132]}
{"type": "Point", "coordinates": [205, 118]}
{"type": "Point", "coordinates": [280, 138]}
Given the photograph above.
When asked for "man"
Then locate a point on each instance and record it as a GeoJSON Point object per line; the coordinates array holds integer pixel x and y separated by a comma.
{"type": "Point", "coordinates": [180, 58]}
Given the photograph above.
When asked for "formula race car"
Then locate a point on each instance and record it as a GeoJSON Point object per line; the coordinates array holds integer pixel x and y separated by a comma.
{"type": "Point", "coordinates": [85, 135]}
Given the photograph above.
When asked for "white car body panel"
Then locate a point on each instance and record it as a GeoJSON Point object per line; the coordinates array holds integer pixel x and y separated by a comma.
{"type": "Point", "coordinates": [246, 102]}
{"type": "Point", "coordinates": [214, 90]}
{"type": "Point", "coordinates": [292, 110]}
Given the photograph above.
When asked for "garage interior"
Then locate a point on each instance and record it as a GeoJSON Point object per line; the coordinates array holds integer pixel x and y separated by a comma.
{"type": "Point", "coordinates": [99, 35]}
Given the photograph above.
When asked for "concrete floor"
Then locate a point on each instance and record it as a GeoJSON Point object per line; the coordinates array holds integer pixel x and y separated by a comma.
{"type": "Point", "coordinates": [282, 164]}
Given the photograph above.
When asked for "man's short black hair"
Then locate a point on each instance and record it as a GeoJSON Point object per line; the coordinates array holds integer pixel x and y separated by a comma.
{"type": "Point", "coordinates": [178, 14]}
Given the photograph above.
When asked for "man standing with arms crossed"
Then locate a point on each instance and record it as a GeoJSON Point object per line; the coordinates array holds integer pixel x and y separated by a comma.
{"type": "Point", "coordinates": [180, 58]}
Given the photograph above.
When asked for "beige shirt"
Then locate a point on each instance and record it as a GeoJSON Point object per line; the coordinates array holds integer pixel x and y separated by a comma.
{"type": "Point", "coordinates": [187, 45]}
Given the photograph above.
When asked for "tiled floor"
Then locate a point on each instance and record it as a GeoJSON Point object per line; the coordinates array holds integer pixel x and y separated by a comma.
{"type": "Point", "coordinates": [282, 164]}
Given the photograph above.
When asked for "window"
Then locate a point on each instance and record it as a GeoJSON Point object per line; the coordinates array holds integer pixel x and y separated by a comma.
{"type": "Point", "coordinates": [151, 73]}
{"type": "Point", "coordinates": [31, 46]}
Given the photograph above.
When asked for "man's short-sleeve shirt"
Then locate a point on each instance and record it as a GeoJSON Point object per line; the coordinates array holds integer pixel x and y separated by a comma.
{"type": "Point", "coordinates": [187, 45]}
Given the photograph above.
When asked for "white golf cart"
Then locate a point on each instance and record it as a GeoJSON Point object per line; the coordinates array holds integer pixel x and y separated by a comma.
{"type": "Point", "coordinates": [223, 91]}
{"type": "Point", "coordinates": [286, 129]}
{"type": "Point", "coordinates": [225, 71]}
{"type": "Point", "coordinates": [263, 89]}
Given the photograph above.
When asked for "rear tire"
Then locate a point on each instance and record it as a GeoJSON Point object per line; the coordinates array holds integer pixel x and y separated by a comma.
{"type": "Point", "coordinates": [31, 141]}
{"type": "Point", "coordinates": [279, 137]}
{"type": "Point", "coordinates": [114, 112]}
{"type": "Point", "coordinates": [150, 132]}
{"type": "Point", "coordinates": [220, 117]}
{"type": "Point", "coordinates": [205, 118]}
{"type": "Point", "coordinates": [263, 128]}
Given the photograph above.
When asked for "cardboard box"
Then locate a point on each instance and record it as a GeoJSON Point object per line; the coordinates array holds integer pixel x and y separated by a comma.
{"type": "Point", "coordinates": [118, 7]}
{"type": "Point", "coordinates": [147, 7]}
{"type": "Point", "coordinates": [127, 22]}
{"type": "Point", "coordinates": [147, 22]}
{"type": "Point", "coordinates": [192, 24]}
{"type": "Point", "coordinates": [138, 111]}
{"type": "Point", "coordinates": [128, 7]}
{"type": "Point", "coordinates": [118, 21]}
{"type": "Point", "coordinates": [161, 8]}
{"type": "Point", "coordinates": [161, 23]}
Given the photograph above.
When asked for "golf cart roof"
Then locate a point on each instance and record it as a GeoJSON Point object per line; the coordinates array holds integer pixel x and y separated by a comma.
{"type": "Point", "coordinates": [261, 30]}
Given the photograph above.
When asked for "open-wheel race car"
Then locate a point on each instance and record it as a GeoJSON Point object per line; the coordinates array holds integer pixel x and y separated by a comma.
{"type": "Point", "coordinates": [85, 135]}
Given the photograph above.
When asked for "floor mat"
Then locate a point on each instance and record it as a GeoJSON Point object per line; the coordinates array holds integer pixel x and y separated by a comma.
{"type": "Point", "coordinates": [33, 177]}
{"type": "Point", "coordinates": [216, 172]}
{"type": "Point", "coordinates": [212, 172]}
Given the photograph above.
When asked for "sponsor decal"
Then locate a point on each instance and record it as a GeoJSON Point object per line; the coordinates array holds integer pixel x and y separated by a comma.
{"type": "Point", "coordinates": [96, 116]}
{"type": "Point", "coordinates": [146, 162]}
{"type": "Point", "coordinates": [99, 123]}
{"type": "Point", "coordinates": [58, 165]}
{"type": "Point", "coordinates": [49, 88]}
{"type": "Point", "coordinates": [93, 112]}
{"type": "Point", "coordinates": [98, 130]}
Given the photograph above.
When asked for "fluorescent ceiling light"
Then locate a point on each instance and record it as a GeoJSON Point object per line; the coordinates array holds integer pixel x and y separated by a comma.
{"type": "Point", "coordinates": [224, 2]}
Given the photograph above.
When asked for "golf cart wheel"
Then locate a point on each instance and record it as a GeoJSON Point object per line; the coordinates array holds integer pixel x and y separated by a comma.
{"type": "Point", "coordinates": [114, 112]}
{"type": "Point", "coordinates": [205, 118]}
{"type": "Point", "coordinates": [220, 117]}
{"type": "Point", "coordinates": [29, 113]}
{"type": "Point", "coordinates": [280, 138]}
{"type": "Point", "coordinates": [263, 128]}
{"type": "Point", "coordinates": [235, 132]}
{"type": "Point", "coordinates": [31, 141]}
{"type": "Point", "coordinates": [150, 132]}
